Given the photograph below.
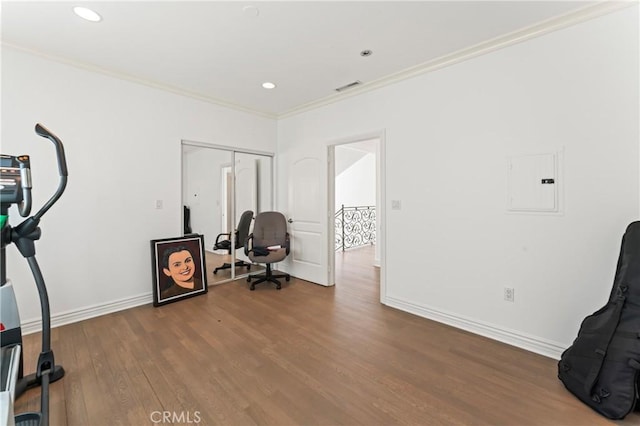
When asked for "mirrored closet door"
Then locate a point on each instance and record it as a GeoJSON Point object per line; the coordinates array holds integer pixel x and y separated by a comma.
{"type": "Point", "coordinates": [223, 189]}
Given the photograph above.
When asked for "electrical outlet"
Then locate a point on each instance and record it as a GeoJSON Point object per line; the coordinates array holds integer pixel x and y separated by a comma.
{"type": "Point", "coordinates": [509, 294]}
{"type": "Point", "coordinates": [159, 204]}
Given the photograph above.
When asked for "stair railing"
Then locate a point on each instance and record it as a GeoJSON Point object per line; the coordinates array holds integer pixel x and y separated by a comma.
{"type": "Point", "coordinates": [355, 226]}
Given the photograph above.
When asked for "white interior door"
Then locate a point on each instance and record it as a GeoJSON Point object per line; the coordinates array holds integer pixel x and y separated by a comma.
{"type": "Point", "coordinates": [307, 211]}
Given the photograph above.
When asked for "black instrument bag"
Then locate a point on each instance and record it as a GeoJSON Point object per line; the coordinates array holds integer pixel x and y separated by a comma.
{"type": "Point", "coordinates": [602, 366]}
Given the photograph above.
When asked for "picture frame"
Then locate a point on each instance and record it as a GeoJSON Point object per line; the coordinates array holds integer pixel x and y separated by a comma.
{"type": "Point", "coordinates": [178, 267]}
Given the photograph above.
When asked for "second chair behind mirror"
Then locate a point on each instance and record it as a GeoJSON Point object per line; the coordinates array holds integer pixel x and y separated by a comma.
{"type": "Point", "coordinates": [241, 234]}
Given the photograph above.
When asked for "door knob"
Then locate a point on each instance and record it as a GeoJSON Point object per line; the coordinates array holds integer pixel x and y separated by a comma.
{"type": "Point", "coordinates": [290, 220]}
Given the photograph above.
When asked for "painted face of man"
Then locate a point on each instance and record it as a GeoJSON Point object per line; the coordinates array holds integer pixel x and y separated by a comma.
{"type": "Point", "coordinates": [181, 267]}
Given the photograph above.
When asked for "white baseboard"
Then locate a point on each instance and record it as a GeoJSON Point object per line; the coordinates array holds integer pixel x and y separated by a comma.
{"type": "Point", "coordinates": [63, 318]}
{"type": "Point", "coordinates": [511, 337]}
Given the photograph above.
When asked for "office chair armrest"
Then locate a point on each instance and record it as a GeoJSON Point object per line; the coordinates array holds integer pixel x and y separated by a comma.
{"type": "Point", "coordinates": [287, 243]}
{"type": "Point", "coordinates": [228, 234]}
{"type": "Point", "coordinates": [248, 244]}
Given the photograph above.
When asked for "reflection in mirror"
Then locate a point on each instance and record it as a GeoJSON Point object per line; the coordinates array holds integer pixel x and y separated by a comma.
{"type": "Point", "coordinates": [253, 191]}
{"type": "Point", "coordinates": [208, 203]}
{"type": "Point", "coordinates": [207, 199]}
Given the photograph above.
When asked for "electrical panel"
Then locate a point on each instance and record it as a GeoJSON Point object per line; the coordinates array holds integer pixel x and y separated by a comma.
{"type": "Point", "coordinates": [533, 183]}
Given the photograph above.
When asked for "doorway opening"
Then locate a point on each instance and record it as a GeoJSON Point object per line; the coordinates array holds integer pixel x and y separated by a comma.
{"type": "Point", "coordinates": [356, 207]}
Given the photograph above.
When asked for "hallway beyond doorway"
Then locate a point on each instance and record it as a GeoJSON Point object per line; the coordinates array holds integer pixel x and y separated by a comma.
{"type": "Point", "coordinates": [356, 274]}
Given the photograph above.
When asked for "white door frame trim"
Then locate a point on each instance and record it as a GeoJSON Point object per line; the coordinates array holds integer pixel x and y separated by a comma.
{"type": "Point", "coordinates": [381, 203]}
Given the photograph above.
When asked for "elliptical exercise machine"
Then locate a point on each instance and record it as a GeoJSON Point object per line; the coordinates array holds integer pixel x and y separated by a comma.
{"type": "Point", "coordinates": [15, 188]}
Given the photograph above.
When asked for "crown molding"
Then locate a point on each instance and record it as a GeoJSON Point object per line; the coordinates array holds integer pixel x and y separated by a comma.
{"type": "Point", "coordinates": [149, 83]}
{"type": "Point", "coordinates": [553, 24]}
{"type": "Point", "coordinates": [527, 33]}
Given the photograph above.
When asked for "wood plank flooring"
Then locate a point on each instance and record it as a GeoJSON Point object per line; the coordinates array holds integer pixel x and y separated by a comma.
{"type": "Point", "coordinates": [214, 260]}
{"type": "Point", "coordinates": [304, 355]}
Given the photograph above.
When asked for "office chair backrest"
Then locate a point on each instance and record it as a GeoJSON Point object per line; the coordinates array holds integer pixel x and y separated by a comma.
{"type": "Point", "coordinates": [243, 228]}
{"type": "Point", "coordinates": [187, 220]}
{"type": "Point", "coordinates": [270, 229]}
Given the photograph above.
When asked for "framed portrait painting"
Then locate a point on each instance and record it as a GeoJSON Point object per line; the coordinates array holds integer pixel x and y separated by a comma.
{"type": "Point", "coordinates": [178, 267]}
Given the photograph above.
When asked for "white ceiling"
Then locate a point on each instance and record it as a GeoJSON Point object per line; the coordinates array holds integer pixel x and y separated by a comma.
{"type": "Point", "coordinates": [215, 51]}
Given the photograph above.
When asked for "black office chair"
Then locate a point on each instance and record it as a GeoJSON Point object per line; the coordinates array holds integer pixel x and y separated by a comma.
{"type": "Point", "coordinates": [187, 220]}
{"type": "Point", "coordinates": [241, 235]}
{"type": "Point", "coordinates": [268, 243]}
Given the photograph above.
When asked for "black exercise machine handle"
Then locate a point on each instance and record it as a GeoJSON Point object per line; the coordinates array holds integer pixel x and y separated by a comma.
{"type": "Point", "coordinates": [62, 162]}
{"type": "Point", "coordinates": [24, 207]}
{"type": "Point", "coordinates": [62, 168]}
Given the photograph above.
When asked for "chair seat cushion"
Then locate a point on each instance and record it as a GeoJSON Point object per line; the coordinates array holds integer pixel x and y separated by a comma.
{"type": "Point", "coordinates": [223, 245]}
{"type": "Point", "coordinates": [273, 256]}
{"type": "Point", "coordinates": [260, 251]}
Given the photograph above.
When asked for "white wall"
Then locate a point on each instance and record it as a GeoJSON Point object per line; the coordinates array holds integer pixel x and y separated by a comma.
{"type": "Point", "coordinates": [356, 185]}
{"type": "Point", "coordinates": [123, 150]}
{"type": "Point", "coordinates": [448, 134]}
{"type": "Point", "coordinates": [203, 173]}
{"type": "Point", "coordinates": [345, 157]}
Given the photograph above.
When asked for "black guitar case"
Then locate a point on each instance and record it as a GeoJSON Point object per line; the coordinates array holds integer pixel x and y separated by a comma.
{"type": "Point", "coordinates": [602, 367]}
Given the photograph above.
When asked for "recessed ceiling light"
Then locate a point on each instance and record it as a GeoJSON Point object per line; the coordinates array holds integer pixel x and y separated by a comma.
{"type": "Point", "coordinates": [251, 11]}
{"type": "Point", "coordinates": [87, 14]}
{"type": "Point", "coordinates": [268, 85]}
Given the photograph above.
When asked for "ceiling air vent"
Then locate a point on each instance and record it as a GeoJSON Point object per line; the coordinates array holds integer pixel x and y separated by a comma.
{"type": "Point", "coordinates": [349, 86]}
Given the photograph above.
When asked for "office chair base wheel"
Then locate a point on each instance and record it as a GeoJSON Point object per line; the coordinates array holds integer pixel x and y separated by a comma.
{"type": "Point", "coordinates": [252, 287]}
{"type": "Point", "coordinates": [249, 279]}
{"type": "Point", "coordinates": [287, 278]}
